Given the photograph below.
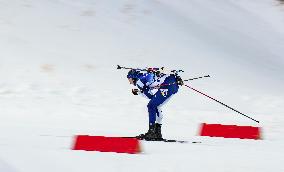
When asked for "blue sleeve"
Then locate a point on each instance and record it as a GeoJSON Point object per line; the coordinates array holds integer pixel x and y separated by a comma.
{"type": "Point", "coordinates": [143, 83]}
{"type": "Point", "coordinates": [147, 78]}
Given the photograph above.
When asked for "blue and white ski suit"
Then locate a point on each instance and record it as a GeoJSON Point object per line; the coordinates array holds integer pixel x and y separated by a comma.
{"type": "Point", "coordinates": [149, 84]}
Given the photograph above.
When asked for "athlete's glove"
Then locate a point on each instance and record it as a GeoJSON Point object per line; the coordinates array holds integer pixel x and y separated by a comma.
{"type": "Point", "coordinates": [135, 91]}
{"type": "Point", "coordinates": [179, 81]}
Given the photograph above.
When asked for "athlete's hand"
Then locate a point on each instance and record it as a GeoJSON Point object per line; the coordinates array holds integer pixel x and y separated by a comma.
{"type": "Point", "coordinates": [180, 81]}
{"type": "Point", "coordinates": [135, 91]}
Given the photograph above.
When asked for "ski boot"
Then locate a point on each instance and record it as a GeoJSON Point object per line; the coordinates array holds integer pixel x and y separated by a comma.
{"type": "Point", "coordinates": [158, 132]}
{"type": "Point", "coordinates": [153, 134]}
{"type": "Point", "coordinates": [150, 132]}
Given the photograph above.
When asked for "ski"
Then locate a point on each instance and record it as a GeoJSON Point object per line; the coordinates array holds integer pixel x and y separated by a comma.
{"type": "Point", "coordinates": [179, 141]}
{"type": "Point", "coordinates": [171, 141]}
{"type": "Point", "coordinates": [167, 140]}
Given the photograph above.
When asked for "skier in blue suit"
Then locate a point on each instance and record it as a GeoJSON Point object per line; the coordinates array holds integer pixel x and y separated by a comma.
{"type": "Point", "coordinates": [159, 88]}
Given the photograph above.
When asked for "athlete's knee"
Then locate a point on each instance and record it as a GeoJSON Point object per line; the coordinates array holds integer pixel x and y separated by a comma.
{"type": "Point", "coordinates": [152, 105]}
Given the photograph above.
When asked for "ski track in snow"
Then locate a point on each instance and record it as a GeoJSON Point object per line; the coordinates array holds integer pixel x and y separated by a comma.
{"type": "Point", "coordinates": [58, 79]}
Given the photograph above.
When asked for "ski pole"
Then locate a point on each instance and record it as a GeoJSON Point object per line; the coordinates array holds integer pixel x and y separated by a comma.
{"type": "Point", "coordinates": [221, 103]}
{"type": "Point", "coordinates": [207, 76]}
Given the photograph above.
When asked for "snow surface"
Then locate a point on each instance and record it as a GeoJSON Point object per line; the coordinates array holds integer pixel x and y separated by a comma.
{"type": "Point", "coordinates": [58, 78]}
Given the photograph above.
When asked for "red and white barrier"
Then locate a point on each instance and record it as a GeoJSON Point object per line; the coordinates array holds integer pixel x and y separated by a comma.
{"type": "Point", "coordinates": [106, 144]}
{"type": "Point", "coordinates": [230, 131]}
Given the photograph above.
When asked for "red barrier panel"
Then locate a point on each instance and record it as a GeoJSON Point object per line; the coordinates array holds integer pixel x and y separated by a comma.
{"type": "Point", "coordinates": [230, 131]}
{"type": "Point", "coordinates": [106, 144]}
